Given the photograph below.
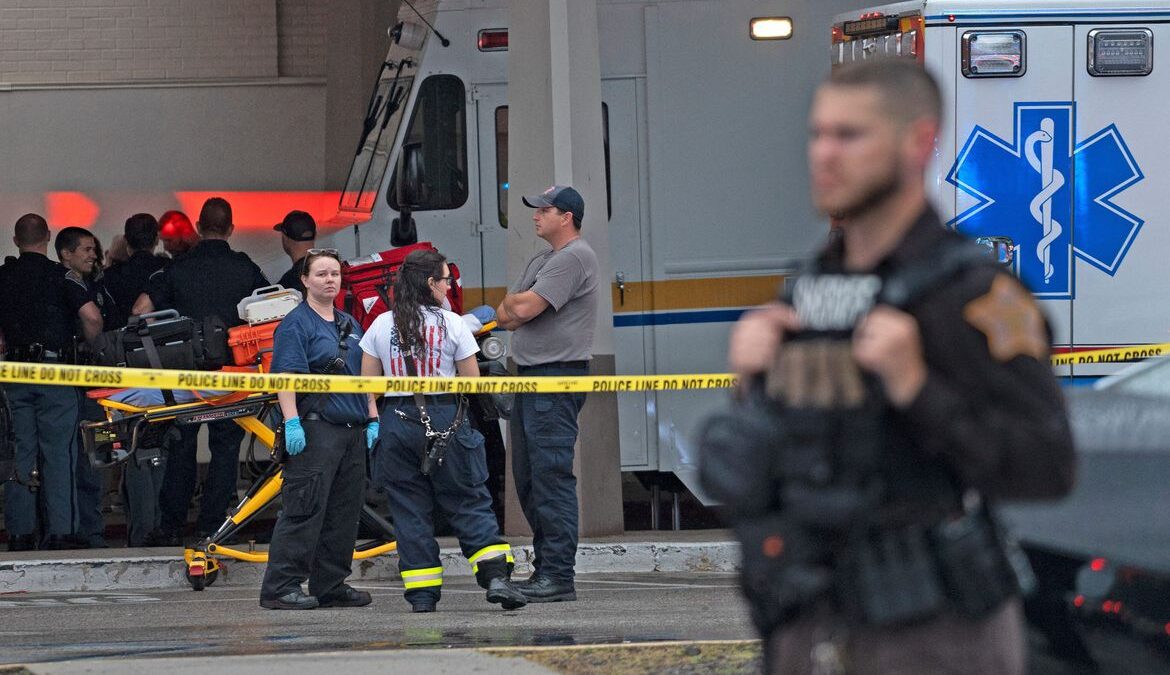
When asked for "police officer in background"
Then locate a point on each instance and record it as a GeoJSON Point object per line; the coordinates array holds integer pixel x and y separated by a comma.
{"type": "Point", "coordinates": [37, 329]}
{"type": "Point", "coordinates": [875, 551]}
{"type": "Point", "coordinates": [298, 234]}
{"type": "Point", "coordinates": [93, 310]}
{"type": "Point", "coordinates": [209, 281]}
{"type": "Point", "coordinates": [129, 279]}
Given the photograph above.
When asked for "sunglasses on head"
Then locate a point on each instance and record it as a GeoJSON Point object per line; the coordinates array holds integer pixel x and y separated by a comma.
{"type": "Point", "coordinates": [332, 252]}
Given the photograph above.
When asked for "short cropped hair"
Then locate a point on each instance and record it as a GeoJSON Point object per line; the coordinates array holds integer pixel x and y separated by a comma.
{"type": "Point", "coordinates": [31, 229]}
{"type": "Point", "coordinates": [70, 238]}
{"type": "Point", "coordinates": [215, 217]}
{"type": "Point", "coordinates": [908, 92]}
{"type": "Point", "coordinates": [141, 232]}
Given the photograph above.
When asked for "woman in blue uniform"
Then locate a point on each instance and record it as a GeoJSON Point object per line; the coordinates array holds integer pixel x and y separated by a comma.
{"type": "Point", "coordinates": [326, 436]}
{"type": "Point", "coordinates": [420, 337]}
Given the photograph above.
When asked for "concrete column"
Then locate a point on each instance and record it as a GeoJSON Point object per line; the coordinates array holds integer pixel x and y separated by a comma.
{"type": "Point", "coordinates": [357, 46]}
{"type": "Point", "coordinates": [554, 136]}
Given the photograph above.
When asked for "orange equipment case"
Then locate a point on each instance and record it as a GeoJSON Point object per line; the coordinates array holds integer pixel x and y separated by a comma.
{"type": "Point", "coordinates": [253, 344]}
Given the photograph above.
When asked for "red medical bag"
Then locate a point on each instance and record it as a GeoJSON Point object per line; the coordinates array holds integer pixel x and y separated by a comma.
{"type": "Point", "coordinates": [367, 283]}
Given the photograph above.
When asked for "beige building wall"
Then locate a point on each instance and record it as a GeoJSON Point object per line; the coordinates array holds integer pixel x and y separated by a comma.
{"type": "Point", "coordinates": [117, 106]}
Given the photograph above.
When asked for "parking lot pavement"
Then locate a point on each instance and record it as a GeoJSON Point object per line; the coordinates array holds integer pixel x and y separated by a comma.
{"type": "Point", "coordinates": [227, 621]}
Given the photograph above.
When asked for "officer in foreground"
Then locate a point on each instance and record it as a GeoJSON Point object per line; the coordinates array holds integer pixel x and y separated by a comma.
{"type": "Point", "coordinates": [901, 387]}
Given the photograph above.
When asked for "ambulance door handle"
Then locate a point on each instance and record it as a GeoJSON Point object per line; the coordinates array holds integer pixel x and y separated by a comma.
{"type": "Point", "coordinates": [621, 284]}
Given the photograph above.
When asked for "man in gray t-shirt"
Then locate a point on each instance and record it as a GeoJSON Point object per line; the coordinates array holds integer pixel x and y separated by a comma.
{"type": "Point", "coordinates": [552, 311]}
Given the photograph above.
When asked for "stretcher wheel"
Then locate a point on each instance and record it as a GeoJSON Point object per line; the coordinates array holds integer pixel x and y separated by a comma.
{"type": "Point", "coordinates": [202, 572]}
{"type": "Point", "coordinates": [201, 581]}
{"type": "Point", "coordinates": [198, 581]}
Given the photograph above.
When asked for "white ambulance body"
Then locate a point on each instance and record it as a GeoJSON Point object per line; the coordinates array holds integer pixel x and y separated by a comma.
{"type": "Point", "coordinates": [1056, 138]}
{"type": "Point", "coordinates": [705, 162]}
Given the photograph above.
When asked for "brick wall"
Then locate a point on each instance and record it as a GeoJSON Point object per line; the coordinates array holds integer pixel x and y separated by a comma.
{"type": "Point", "coordinates": [79, 41]}
{"type": "Point", "coordinates": [301, 31]}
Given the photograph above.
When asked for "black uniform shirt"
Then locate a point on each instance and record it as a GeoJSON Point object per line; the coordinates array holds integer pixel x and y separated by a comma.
{"type": "Point", "coordinates": [208, 281]}
{"type": "Point", "coordinates": [127, 280]}
{"type": "Point", "coordinates": [32, 303]}
{"type": "Point", "coordinates": [292, 278]}
{"type": "Point", "coordinates": [990, 415]}
{"type": "Point", "coordinates": [80, 291]}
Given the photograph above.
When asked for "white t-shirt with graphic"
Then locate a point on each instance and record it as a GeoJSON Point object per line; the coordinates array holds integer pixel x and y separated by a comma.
{"type": "Point", "coordinates": [448, 339]}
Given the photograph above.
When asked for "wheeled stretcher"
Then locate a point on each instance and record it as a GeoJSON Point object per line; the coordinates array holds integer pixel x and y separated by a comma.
{"type": "Point", "coordinates": [137, 421]}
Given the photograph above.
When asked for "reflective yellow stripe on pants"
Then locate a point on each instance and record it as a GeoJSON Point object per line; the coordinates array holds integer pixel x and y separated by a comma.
{"type": "Point", "coordinates": [488, 553]}
{"type": "Point", "coordinates": [431, 576]}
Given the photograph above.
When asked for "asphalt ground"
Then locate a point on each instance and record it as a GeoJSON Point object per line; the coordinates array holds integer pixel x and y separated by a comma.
{"type": "Point", "coordinates": [228, 621]}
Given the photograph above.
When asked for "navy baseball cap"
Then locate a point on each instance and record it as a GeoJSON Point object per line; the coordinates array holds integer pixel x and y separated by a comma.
{"type": "Point", "coordinates": [562, 197]}
{"type": "Point", "coordinates": [298, 226]}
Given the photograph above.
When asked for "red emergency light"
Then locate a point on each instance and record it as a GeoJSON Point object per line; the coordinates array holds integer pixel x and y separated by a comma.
{"type": "Point", "coordinates": [492, 40]}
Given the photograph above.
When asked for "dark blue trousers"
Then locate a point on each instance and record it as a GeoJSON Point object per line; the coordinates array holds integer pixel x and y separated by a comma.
{"type": "Point", "coordinates": [543, 428]}
{"type": "Point", "coordinates": [458, 487]}
{"type": "Point", "coordinates": [44, 420]}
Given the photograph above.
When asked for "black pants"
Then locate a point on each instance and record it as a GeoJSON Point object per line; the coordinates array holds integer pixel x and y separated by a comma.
{"type": "Point", "coordinates": [321, 503]}
{"type": "Point", "coordinates": [219, 487]}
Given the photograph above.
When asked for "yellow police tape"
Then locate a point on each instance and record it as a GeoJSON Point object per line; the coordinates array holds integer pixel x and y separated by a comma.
{"type": "Point", "coordinates": [1117, 355]}
{"type": "Point", "coordinates": [96, 376]}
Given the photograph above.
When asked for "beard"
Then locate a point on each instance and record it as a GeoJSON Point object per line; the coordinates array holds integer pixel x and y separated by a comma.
{"type": "Point", "coordinates": [871, 197]}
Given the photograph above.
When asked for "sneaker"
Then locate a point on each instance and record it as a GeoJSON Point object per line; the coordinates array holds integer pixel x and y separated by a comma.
{"type": "Point", "coordinates": [291, 600]}
{"type": "Point", "coordinates": [345, 597]}
{"type": "Point", "coordinates": [504, 593]}
{"type": "Point", "coordinates": [545, 589]}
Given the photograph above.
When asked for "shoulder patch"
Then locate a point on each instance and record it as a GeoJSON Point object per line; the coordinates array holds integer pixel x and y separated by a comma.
{"type": "Point", "coordinates": [1007, 314]}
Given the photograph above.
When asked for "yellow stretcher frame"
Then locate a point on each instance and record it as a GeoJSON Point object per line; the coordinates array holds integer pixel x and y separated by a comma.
{"type": "Point", "coordinates": [202, 558]}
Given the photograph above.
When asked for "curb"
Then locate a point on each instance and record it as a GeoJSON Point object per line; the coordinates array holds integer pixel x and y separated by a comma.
{"type": "Point", "coordinates": [169, 572]}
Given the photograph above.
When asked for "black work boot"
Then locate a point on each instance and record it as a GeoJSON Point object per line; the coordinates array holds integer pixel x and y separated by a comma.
{"type": "Point", "coordinates": [493, 576]}
{"type": "Point", "coordinates": [546, 589]}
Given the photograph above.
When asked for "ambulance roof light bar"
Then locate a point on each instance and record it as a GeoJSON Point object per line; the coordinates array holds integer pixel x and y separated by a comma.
{"type": "Point", "coordinates": [770, 28]}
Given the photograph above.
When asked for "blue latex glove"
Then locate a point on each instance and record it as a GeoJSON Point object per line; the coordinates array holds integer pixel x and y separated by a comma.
{"type": "Point", "coordinates": [372, 434]}
{"type": "Point", "coordinates": [294, 436]}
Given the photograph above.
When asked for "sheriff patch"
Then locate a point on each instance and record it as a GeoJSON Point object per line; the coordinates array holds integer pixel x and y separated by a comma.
{"type": "Point", "coordinates": [1010, 319]}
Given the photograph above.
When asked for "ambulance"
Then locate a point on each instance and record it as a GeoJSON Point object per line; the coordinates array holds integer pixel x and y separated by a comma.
{"type": "Point", "coordinates": [1053, 142]}
{"type": "Point", "coordinates": [704, 106]}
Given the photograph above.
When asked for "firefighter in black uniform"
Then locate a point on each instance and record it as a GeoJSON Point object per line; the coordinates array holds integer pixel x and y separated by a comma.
{"type": "Point", "coordinates": [905, 387]}
{"type": "Point", "coordinates": [38, 329]}
{"type": "Point", "coordinates": [93, 310]}
{"type": "Point", "coordinates": [208, 281]}
{"type": "Point", "coordinates": [298, 234]}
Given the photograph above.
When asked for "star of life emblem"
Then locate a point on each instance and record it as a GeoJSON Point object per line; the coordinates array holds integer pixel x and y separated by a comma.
{"type": "Point", "coordinates": [1050, 195]}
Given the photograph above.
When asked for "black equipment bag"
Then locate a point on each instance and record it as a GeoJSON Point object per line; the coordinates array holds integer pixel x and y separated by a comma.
{"type": "Point", "coordinates": [170, 341]}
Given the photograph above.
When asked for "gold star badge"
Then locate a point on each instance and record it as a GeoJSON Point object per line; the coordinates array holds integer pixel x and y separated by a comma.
{"type": "Point", "coordinates": [1010, 319]}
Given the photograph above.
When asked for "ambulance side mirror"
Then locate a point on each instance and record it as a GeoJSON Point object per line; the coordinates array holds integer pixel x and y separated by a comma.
{"type": "Point", "coordinates": [1001, 249]}
{"type": "Point", "coordinates": [409, 176]}
{"type": "Point", "coordinates": [402, 229]}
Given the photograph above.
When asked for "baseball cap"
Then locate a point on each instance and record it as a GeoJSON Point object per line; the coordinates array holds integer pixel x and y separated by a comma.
{"type": "Point", "coordinates": [298, 226]}
{"type": "Point", "coordinates": [562, 197]}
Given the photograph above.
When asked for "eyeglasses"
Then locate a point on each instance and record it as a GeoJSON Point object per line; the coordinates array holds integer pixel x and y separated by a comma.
{"type": "Point", "coordinates": [447, 279]}
{"type": "Point", "coordinates": [325, 251]}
